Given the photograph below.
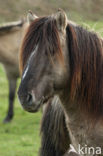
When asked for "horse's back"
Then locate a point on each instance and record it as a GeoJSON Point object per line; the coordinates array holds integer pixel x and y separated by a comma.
{"type": "Point", "coordinates": [9, 48]}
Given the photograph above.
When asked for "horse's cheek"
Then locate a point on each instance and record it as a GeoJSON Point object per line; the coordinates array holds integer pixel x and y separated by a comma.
{"type": "Point", "coordinates": [44, 88]}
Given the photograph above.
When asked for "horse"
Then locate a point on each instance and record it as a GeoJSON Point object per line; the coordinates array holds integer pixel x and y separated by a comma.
{"type": "Point", "coordinates": [59, 58]}
{"type": "Point", "coordinates": [11, 35]}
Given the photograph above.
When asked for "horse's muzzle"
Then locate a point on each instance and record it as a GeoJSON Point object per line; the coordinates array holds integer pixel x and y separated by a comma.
{"type": "Point", "coordinates": [29, 102]}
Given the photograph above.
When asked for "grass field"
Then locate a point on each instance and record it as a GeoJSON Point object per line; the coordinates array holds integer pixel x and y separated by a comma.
{"type": "Point", "coordinates": [21, 136]}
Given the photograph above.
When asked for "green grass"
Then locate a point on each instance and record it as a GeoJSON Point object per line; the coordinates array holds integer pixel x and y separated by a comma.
{"type": "Point", "coordinates": [21, 136]}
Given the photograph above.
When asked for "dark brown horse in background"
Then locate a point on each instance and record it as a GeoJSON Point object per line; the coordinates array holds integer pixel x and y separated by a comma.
{"type": "Point", "coordinates": [59, 58]}
{"type": "Point", "coordinates": [10, 38]}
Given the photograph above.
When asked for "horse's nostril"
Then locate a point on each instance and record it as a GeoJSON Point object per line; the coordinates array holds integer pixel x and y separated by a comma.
{"type": "Point", "coordinates": [29, 98]}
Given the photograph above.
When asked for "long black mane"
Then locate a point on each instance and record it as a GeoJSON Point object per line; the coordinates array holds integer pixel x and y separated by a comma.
{"type": "Point", "coordinates": [86, 64]}
{"type": "Point", "coordinates": [85, 58]}
{"type": "Point", "coordinates": [43, 31]}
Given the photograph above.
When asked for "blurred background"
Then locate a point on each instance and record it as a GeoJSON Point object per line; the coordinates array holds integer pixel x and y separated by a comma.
{"type": "Point", "coordinates": [76, 9]}
{"type": "Point", "coordinates": [21, 136]}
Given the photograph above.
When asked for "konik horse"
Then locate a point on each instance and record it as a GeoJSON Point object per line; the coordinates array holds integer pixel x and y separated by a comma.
{"type": "Point", "coordinates": [10, 38]}
{"type": "Point", "coordinates": [63, 59]}
{"type": "Point", "coordinates": [11, 35]}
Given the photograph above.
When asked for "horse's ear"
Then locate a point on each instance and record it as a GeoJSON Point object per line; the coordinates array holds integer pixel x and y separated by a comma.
{"type": "Point", "coordinates": [31, 17]}
{"type": "Point", "coordinates": [61, 19]}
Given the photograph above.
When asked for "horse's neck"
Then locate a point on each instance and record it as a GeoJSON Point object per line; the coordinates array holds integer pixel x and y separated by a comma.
{"type": "Point", "coordinates": [80, 127]}
{"type": "Point", "coordinates": [73, 115]}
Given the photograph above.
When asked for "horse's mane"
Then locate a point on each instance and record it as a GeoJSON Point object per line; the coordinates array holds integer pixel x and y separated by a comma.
{"type": "Point", "coordinates": [85, 58]}
{"type": "Point", "coordinates": [86, 65]}
{"type": "Point", "coordinates": [43, 31]}
{"type": "Point", "coordinates": [54, 130]}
